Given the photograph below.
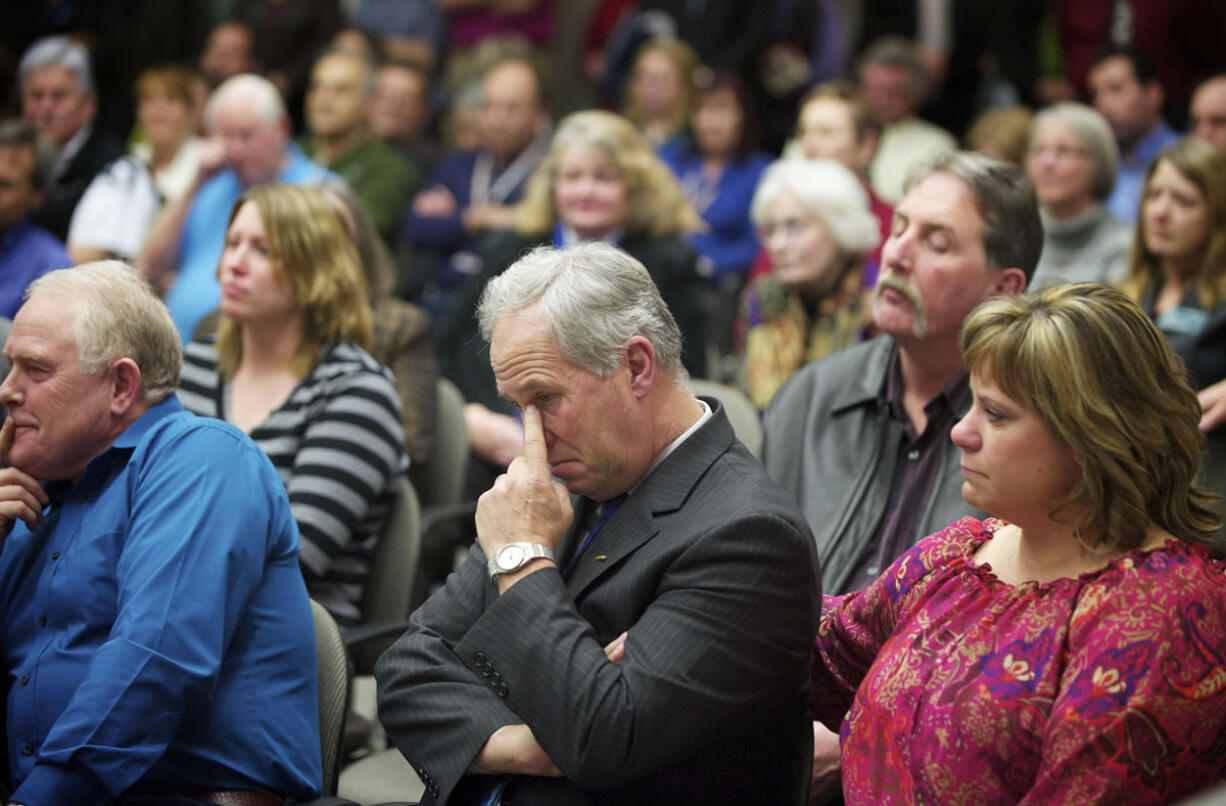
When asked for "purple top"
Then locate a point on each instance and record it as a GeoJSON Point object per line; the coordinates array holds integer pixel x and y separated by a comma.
{"type": "Point", "coordinates": [1106, 688]}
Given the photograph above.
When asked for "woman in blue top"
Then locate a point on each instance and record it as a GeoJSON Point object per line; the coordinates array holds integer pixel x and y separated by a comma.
{"type": "Point", "coordinates": [719, 169]}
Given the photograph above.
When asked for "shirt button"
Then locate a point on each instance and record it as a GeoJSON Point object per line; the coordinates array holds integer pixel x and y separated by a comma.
{"type": "Point", "coordinates": [913, 455]}
{"type": "Point", "coordinates": [25, 678]}
{"type": "Point", "coordinates": [872, 570]}
{"type": "Point", "coordinates": [55, 555]}
{"type": "Point", "coordinates": [42, 621]}
{"type": "Point", "coordinates": [27, 749]}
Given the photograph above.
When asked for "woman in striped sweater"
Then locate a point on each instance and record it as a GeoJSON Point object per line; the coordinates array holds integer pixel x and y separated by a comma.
{"type": "Point", "coordinates": [289, 366]}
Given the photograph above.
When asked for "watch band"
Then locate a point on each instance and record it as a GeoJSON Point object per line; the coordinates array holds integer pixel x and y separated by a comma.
{"type": "Point", "coordinates": [514, 556]}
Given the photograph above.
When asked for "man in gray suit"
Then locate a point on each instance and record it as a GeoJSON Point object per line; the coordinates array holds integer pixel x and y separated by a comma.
{"type": "Point", "coordinates": [649, 645]}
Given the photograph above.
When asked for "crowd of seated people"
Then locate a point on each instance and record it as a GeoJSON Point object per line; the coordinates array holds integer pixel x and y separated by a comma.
{"type": "Point", "coordinates": [321, 192]}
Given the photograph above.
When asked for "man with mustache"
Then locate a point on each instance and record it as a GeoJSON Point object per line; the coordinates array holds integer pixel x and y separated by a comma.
{"type": "Point", "coordinates": [860, 439]}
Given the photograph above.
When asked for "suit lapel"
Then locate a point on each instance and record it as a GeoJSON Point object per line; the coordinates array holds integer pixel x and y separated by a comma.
{"type": "Point", "coordinates": [665, 490]}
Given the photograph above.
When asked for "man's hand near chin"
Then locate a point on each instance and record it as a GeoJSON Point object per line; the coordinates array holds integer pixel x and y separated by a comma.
{"type": "Point", "coordinates": [21, 496]}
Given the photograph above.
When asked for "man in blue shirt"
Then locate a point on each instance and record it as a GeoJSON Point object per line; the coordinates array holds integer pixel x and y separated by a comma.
{"type": "Point", "coordinates": [1127, 93]}
{"type": "Point", "coordinates": [154, 627]}
{"type": "Point", "coordinates": [249, 145]}
{"type": "Point", "coordinates": [27, 251]}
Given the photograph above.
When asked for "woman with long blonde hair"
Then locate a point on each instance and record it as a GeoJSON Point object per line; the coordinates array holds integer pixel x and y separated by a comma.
{"type": "Point", "coordinates": [289, 366]}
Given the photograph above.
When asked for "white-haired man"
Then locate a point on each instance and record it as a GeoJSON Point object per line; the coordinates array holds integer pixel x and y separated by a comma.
{"type": "Point", "coordinates": [860, 439]}
{"type": "Point", "coordinates": [150, 595]}
{"type": "Point", "coordinates": [651, 649]}
{"type": "Point", "coordinates": [58, 99]}
{"type": "Point", "coordinates": [249, 145]}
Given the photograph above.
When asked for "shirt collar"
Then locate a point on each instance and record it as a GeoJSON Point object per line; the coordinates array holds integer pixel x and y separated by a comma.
{"type": "Point", "coordinates": [71, 148]}
{"type": "Point", "coordinates": [100, 466]}
{"type": "Point", "coordinates": [674, 445]}
{"type": "Point", "coordinates": [949, 398]}
{"type": "Point", "coordinates": [1147, 147]}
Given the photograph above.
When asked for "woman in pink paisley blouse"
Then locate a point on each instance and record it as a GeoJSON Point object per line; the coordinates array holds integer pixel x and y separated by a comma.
{"type": "Point", "coordinates": [1071, 649]}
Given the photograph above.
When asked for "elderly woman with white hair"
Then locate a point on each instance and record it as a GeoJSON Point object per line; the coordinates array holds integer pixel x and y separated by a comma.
{"type": "Point", "coordinates": [1072, 160]}
{"type": "Point", "coordinates": [816, 224]}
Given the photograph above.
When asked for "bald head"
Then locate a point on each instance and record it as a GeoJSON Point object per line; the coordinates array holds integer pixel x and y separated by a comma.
{"type": "Point", "coordinates": [247, 113]}
{"type": "Point", "coordinates": [1208, 111]}
{"type": "Point", "coordinates": [512, 109]}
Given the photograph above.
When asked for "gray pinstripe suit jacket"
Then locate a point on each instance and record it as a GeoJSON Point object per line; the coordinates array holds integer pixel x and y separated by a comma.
{"type": "Point", "coordinates": [713, 572]}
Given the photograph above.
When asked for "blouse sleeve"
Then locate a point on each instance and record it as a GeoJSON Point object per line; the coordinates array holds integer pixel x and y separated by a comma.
{"type": "Point", "coordinates": [854, 626]}
{"type": "Point", "coordinates": [1142, 700]}
{"type": "Point", "coordinates": [350, 451]}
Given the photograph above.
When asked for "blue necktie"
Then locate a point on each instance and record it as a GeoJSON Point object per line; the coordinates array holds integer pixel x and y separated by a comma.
{"type": "Point", "coordinates": [606, 511]}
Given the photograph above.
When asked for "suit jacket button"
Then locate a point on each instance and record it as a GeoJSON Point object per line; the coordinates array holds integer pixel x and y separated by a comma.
{"type": "Point", "coordinates": [479, 658]}
{"type": "Point", "coordinates": [502, 689]}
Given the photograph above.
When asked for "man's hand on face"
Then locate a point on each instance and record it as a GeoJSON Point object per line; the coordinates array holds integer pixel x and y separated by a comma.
{"type": "Point", "coordinates": [212, 158]}
{"type": "Point", "coordinates": [21, 496]}
{"type": "Point", "coordinates": [525, 503]}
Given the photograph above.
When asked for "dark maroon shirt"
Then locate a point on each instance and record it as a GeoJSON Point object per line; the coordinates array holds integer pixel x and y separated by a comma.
{"type": "Point", "coordinates": [915, 472]}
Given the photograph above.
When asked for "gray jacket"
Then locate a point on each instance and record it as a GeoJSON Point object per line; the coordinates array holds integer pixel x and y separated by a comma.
{"type": "Point", "coordinates": [831, 444]}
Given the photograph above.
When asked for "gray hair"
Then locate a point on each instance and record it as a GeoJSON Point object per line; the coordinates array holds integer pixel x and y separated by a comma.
{"type": "Point", "coordinates": [1006, 201]}
{"type": "Point", "coordinates": [1095, 134]}
{"type": "Point", "coordinates": [58, 51]}
{"type": "Point", "coordinates": [828, 190]}
{"type": "Point", "coordinates": [260, 95]}
{"type": "Point", "coordinates": [595, 297]}
{"type": "Point", "coordinates": [17, 133]}
{"type": "Point", "coordinates": [120, 317]}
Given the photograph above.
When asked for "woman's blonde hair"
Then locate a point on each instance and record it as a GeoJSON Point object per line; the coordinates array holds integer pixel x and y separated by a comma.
{"type": "Point", "coordinates": [307, 240]}
{"type": "Point", "coordinates": [655, 203]}
{"type": "Point", "coordinates": [685, 60]}
{"type": "Point", "coordinates": [1204, 166]}
{"type": "Point", "coordinates": [1100, 375]}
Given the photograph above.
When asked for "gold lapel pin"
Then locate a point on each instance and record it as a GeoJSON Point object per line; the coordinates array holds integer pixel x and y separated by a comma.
{"type": "Point", "coordinates": [600, 558]}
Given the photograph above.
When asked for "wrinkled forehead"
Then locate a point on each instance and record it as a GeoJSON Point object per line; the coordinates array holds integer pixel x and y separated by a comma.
{"type": "Point", "coordinates": [52, 77]}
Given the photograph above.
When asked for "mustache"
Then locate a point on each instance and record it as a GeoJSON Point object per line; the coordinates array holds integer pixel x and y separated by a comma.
{"type": "Point", "coordinates": [888, 279]}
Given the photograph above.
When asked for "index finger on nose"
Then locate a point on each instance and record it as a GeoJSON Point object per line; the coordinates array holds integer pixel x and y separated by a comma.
{"type": "Point", "coordinates": [535, 452]}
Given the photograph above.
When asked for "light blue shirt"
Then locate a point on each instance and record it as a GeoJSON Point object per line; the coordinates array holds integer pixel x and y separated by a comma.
{"type": "Point", "coordinates": [156, 628]}
{"type": "Point", "coordinates": [1125, 199]}
{"type": "Point", "coordinates": [196, 293]}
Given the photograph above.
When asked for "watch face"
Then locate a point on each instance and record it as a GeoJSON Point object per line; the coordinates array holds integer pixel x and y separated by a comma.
{"type": "Point", "coordinates": [510, 557]}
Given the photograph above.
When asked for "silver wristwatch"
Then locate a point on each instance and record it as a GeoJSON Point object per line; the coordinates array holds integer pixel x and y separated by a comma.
{"type": "Point", "coordinates": [515, 556]}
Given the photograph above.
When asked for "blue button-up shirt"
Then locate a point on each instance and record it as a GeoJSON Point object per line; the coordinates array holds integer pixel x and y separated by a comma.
{"type": "Point", "coordinates": [27, 252]}
{"type": "Point", "coordinates": [156, 628]}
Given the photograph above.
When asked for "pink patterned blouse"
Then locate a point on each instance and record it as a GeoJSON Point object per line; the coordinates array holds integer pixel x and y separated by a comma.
{"type": "Point", "coordinates": [1107, 688]}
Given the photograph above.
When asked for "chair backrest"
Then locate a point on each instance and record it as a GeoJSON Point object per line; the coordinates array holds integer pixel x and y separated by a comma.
{"type": "Point", "coordinates": [740, 410]}
{"type": "Point", "coordinates": [332, 668]}
{"type": "Point", "coordinates": [440, 481]}
{"type": "Point", "coordinates": [393, 568]}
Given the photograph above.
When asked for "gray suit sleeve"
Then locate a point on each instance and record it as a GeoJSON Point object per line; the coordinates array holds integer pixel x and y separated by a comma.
{"type": "Point", "coordinates": [435, 709]}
